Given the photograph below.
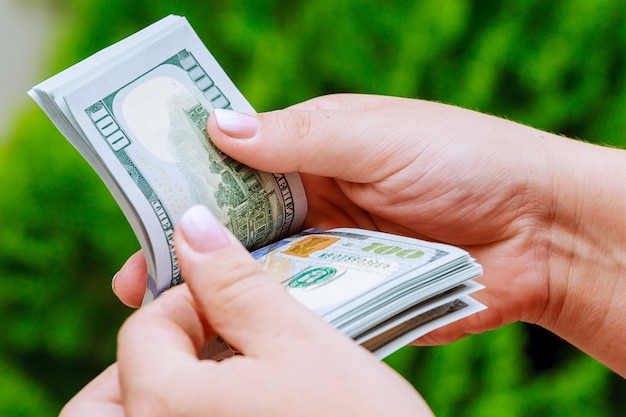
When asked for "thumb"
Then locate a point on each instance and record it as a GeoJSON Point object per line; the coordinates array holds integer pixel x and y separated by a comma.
{"type": "Point", "coordinates": [342, 136]}
{"type": "Point", "coordinates": [243, 304]}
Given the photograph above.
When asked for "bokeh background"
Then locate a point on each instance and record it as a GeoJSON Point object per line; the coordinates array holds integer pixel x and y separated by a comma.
{"type": "Point", "coordinates": [557, 65]}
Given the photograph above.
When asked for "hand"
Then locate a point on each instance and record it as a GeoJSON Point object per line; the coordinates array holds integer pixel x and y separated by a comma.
{"type": "Point", "coordinates": [292, 362]}
{"type": "Point", "coordinates": [536, 210]}
{"type": "Point", "coordinates": [412, 168]}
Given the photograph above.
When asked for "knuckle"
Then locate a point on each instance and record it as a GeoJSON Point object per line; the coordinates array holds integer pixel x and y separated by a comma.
{"type": "Point", "coordinates": [233, 286]}
{"type": "Point", "coordinates": [296, 124]}
{"type": "Point", "coordinates": [302, 133]}
{"type": "Point", "coordinates": [234, 279]}
{"type": "Point", "coordinates": [302, 124]}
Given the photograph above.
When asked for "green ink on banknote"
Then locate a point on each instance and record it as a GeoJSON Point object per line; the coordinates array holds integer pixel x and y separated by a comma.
{"type": "Point", "coordinates": [381, 249]}
{"type": "Point", "coordinates": [313, 277]}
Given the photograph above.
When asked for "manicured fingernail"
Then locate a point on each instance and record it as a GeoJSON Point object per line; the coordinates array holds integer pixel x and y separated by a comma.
{"type": "Point", "coordinates": [235, 124]}
{"type": "Point", "coordinates": [202, 230]}
{"type": "Point", "coordinates": [113, 282]}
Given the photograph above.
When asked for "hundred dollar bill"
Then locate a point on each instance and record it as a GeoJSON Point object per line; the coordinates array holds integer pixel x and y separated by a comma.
{"type": "Point", "coordinates": [356, 279]}
{"type": "Point", "coordinates": [137, 112]}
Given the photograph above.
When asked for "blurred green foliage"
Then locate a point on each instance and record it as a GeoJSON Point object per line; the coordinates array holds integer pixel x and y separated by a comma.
{"type": "Point", "coordinates": [557, 65]}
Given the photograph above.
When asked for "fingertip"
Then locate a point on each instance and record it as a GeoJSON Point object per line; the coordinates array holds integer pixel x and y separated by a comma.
{"type": "Point", "coordinates": [129, 283]}
{"type": "Point", "coordinates": [202, 231]}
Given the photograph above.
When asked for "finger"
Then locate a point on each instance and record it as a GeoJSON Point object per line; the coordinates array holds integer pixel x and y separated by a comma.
{"type": "Point", "coordinates": [129, 284]}
{"type": "Point", "coordinates": [172, 323]}
{"type": "Point", "coordinates": [243, 304]}
{"type": "Point", "coordinates": [491, 318]}
{"type": "Point", "coordinates": [330, 137]}
{"type": "Point", "coordinates": [100, 398]}
{"type": "Point", "coordinates": [447, 334]}
{"type": "Point", "coordinates": [159, 344]}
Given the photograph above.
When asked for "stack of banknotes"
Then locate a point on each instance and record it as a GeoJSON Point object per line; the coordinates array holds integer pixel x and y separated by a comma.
{"type": "Point", "coordinates": [137, 112]}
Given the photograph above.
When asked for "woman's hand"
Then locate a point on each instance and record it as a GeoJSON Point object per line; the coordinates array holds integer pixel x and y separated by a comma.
{"type": "Point", "coordinates": [291, 362]}
{"type": "Point", "coordinates": [538, 211]}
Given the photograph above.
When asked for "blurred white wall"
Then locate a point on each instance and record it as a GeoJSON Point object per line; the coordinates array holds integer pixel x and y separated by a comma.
{"type": "Point", "coordinates": [25, 30]}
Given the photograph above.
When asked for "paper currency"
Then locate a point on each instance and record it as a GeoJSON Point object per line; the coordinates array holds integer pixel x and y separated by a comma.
{"type": "Point", "coordinates": [382, 290]}
{"type": "Point", "coordinates": [137, 112]}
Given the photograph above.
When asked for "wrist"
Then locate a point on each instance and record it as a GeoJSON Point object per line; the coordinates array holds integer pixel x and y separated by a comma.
{"type": "Point", "coordinates": [587, 243]}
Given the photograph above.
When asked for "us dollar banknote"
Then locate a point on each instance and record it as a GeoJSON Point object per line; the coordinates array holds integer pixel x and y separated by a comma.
{"type": "Point", "coordinates": [383, 291]}
{"type": "Point", "coordinates": [137, 111]}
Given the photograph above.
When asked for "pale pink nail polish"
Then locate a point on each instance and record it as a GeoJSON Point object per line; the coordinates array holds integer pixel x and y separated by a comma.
{"type": "Point", "coordinates": [235, 124]}
{"type": "Point", "coordinates": [202, 230]}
